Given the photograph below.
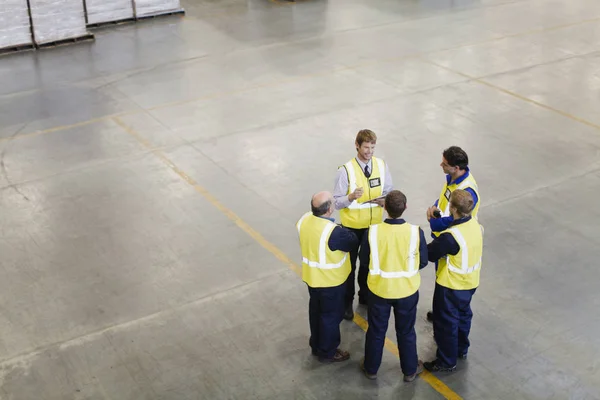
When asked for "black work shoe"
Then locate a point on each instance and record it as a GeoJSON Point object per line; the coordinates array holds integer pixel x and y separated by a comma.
{"type": "Point", "coordinates": [349, 314]}
{"type": "Point", "coordinates": [436, 366]}
{"type": "Point", "coordinates": [430, 316]}
{"type": "Point", "coordinates": [463, 356]}
{"type": "Point", "coordinates": [410, 378]}
{"type": "Point", "coordinates": [368, 375]}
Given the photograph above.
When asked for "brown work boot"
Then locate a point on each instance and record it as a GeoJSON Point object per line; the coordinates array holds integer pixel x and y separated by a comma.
{"type": "Point", "coordinates": [368, 375]}
{"type": "Point", "coordinates": [339, 356]}
{"type": "Point", "coordinates": [410, 378]}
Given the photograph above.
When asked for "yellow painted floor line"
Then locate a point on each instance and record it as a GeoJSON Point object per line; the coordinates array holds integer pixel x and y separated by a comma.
{"type": "Point", "coordinates": [431, 379]}
{"type": "Point", "coordinates": [305, 76]}
{"type": "Point", "coordinates": [61, 128]}
{"type": "Point", "coordinates": [515, 95]}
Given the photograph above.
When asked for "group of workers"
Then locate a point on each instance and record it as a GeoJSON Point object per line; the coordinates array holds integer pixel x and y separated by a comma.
{"type": "Point", "coordinates": [390, 254]}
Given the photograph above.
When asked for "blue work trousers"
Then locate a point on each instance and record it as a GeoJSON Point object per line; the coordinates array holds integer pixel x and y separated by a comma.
{"type": "Point", "coordinates": [452, 317]}
{"type": "Point", "coordinates": [326, 311]}
{"type": "Point", "coordinates": [405, 315]}
{"type": "Point", "coordinates": [363, 273]}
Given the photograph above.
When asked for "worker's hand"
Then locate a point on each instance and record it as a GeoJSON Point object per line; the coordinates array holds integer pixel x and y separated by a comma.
{"type": "Point", "coordinates": [380, 202]}
{"type": "Point", "coordinates": [356, 194]}
{"type": "Point", "coordinates": [430, 212]}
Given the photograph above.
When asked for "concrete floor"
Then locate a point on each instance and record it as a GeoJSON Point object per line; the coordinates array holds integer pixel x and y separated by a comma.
{"type": "Point", "coordinates": [151, 181]}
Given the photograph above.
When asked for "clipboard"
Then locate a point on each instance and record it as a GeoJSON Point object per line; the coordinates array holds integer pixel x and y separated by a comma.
{"type": "Point", "coordinates": [375, 199]}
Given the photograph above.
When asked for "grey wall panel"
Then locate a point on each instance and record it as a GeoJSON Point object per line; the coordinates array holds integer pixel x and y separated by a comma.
{"type": "Point", "coordinates": [55, 20]}
{"type": "Point", "coordinates": [14, 23]}
{"type": "Point", "coordinates": [153, 7]}
{"type": "Point", "coordinates": [108, 10]}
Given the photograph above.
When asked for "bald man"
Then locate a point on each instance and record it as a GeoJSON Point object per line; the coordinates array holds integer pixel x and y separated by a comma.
{"type": "Point", "coordinates": [325, 250]}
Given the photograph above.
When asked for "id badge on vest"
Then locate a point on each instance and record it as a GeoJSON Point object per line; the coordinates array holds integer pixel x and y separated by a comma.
{"type": "Point", "coordinates": [374, 182]}
{"type": "Point", "coordinates": [447, 194]}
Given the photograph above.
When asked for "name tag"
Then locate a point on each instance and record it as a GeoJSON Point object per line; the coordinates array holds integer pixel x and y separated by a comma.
{"type": "Point", "coordinates": [447, 194]}
{"type": "Point", "coordinates": [374, 182]}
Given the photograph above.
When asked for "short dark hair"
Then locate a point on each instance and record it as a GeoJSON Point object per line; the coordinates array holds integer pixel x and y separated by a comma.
{"type": "Point", "coordinates": [322, 209]}
{"type": "Point", "coordinates": [462, 201]}
{"type": "Point", "coordinates": [456, 157]}
{"type": "Point", "coordinates": [395, 203]}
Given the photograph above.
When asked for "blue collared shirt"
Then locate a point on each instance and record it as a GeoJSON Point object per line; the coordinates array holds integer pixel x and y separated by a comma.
{"type": "Point", "coordinates": [341, 238]}
{"type": "Point", "coordinates": [441, 224]}
{"type": "Point", "coordinates": [445, 244]}
{"type": "Point", "coordinates": [365, 250]}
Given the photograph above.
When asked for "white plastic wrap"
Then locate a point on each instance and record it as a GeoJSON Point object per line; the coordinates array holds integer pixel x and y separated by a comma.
{"type": "Point", "coordinates": [145, 8]}
{"type": "Point", "coordinates": [99, 11]}
{"type": "Point", "coordinates": [14, 23]}
{"type": "Point", "coordinates": [55, 20]}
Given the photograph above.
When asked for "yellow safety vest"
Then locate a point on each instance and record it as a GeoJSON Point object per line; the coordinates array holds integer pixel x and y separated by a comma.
{"type": "Point", "coordinates": [360, 214]}
{"type": "Point", "coordinates": [394, 260]}
{"type": "Point", "coordinates": [444, 199]}
{"type": "Point", "coordinates": [321, 267]}
{"type": "Point", "coordinates": [461, 272]}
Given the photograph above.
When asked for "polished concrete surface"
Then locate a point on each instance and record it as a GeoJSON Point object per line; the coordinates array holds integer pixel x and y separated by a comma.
{"type": "Point", "coordinates": [150, 182]}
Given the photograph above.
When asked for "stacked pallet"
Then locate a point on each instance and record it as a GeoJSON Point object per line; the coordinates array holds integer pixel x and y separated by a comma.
{"type": "Point", "coordinates": [15, 29]}
{"type": "Point", "coordinates": [41, 23]}
{"type": "Point", "coordinates": [147, 8]}
{"type": "Point", "coordinates": [57, 20]}
{"type": "Point", "coordinates": [102, 11]}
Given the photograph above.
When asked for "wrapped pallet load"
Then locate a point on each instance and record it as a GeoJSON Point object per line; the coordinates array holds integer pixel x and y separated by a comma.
{"type": "Point", "coordinates": [15, 30]}
{"type": "Point", "coordinates": [102, 11]}
{"type": "Point", "coordinates": [58, 20]}
{"type": "Point", "coordinates": [147, 8]}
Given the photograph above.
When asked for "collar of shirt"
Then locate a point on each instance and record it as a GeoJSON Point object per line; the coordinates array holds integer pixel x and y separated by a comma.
{"type": "Point", "coordinates": [392, 221]}
{"type": "Point", "coordinates": [362, 164]}
{"type": "Point", "coordinates": [459, 180]}
{"type": "Point", "coordinates": [331, 219]}
{"type": "Point", "coordinates": [460, 221]}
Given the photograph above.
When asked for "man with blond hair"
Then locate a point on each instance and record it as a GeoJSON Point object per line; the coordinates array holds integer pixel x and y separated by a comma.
{"type": "Point", "coordinates": [360, 188]}
{"type": "Point", "coordinates": [458, 251]}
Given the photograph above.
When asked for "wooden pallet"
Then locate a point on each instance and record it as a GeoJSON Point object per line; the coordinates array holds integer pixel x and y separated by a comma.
{"type": "Point", "coordinates": [163, 14]}
{"type": "Point", "coordinates": [16, 49]}
{"type": "Point", "coordinates": [56, 43]}
{"type": "Point", "coordinates": [135, 19]}
{"type": "Point", "coordinates": [109, 23]}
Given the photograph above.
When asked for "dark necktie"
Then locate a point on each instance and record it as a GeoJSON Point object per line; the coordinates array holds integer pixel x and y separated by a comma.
{"type": "Point", "coordinates": [367, 173]}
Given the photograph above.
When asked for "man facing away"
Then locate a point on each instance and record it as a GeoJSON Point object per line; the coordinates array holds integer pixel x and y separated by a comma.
{"type": "Point", "coordinates": [458, 251]}
{"type": "Point", "coordinates": [455, 164]}
{"type": "Point", "coordinates": [325, 270]}
{"type": "Point", "coordinates": [360, 186]}
{"type": "Point", "coordinates": [395, 251]}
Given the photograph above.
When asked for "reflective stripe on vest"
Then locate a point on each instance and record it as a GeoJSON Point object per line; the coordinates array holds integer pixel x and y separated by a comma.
{"type": "Point", "coordinates": [322, 262]}
{"type": "Point", "coordinates": [464, 268]}
{"type": "Point", "coordinates": [463, 185]}
{"type": "Point", "coordinates": [413, 268]}
{"type": "Point", "coordinates": [352, 183]}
